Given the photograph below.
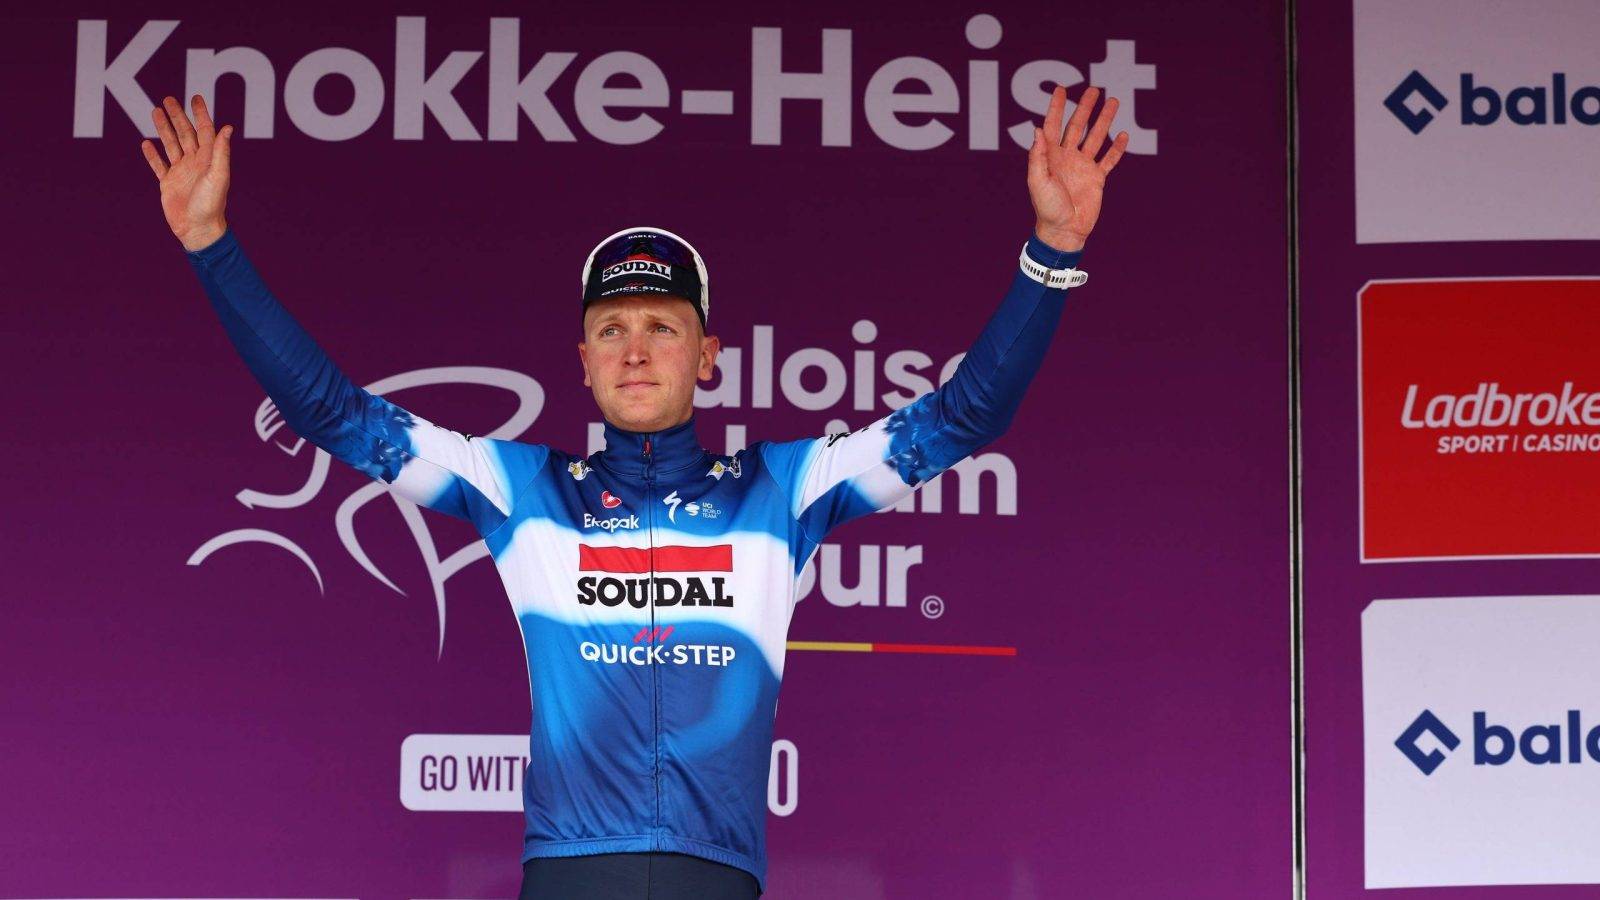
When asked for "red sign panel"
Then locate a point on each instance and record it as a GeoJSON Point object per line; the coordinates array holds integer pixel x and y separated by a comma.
{"type": "Point", "coordinates": [1480, 418]}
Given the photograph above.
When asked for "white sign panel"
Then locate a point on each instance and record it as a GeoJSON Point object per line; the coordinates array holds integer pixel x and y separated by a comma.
{"type": "Point", "coordinates": [463, 772]}
{"type": "Point", "coordinates": [1476, 120]}
{"type": "Point", "coordinates": [1481, 729]}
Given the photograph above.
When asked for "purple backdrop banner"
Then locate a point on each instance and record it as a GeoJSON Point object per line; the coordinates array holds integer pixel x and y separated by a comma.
{"type": "Point", "coordinates": [225, 656]}
{"type": "Point", "coordinates": [1448, 213]}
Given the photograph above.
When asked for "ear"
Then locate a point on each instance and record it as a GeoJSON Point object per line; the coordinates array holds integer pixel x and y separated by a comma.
{"type": "Point", "coordinates": [583, 359]}
{"type": "Point", "coordinates": [709, 345]}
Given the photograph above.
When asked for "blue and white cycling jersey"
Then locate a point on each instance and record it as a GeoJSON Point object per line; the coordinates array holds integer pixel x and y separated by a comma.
{"type": "Point", "coordinates": [653, 581]}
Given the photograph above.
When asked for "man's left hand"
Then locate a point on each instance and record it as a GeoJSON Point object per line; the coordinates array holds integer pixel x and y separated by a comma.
{"type": "Point", "coordinates": [1065, 181]}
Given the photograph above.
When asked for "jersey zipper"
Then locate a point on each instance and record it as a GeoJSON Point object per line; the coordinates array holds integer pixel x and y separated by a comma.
{"type": "Point", "coordinates": [655, 676]}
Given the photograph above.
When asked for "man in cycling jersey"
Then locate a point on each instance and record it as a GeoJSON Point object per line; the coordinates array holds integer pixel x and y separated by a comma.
{"type": "Point", "coordinates": [653, 581]}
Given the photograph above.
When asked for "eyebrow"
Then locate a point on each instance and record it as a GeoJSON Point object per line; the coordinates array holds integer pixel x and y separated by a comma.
{"type": "Point", "coordinates": [657, 317]}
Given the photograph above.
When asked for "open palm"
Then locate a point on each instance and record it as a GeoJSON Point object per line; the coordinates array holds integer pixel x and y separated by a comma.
{"type": "Point", "coordinates": [194, 176]}
{"type": "Point", "coordinates": [1065, 180]}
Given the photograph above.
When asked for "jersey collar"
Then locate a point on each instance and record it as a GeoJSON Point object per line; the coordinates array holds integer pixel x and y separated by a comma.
{"type": "Point", "coordinates": [673, 448]}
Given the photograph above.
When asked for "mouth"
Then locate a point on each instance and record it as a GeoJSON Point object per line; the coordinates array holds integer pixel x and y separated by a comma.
{"type": "Point", "coordinates": [635, 385]}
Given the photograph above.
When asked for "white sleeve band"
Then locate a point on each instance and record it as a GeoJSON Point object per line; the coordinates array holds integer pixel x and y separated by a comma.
{"type": "Point", "coordinates": [1052, 278]}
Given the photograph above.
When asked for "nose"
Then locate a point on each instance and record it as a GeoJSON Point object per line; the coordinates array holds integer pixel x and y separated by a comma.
{"type": "Point", "coordinates": [637, 352]}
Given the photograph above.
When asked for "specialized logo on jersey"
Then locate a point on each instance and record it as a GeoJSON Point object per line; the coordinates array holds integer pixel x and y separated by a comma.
{"type": "Point", "coordinates": [636, 267]}
{"type": "Point", "coordinates": [702, 508]}
{"type": "Point", "coordinates": [610, 500]}
{"type": "Point", "coordinates": [615, 523]}
{"type": "Point", "coordinates": [671, 576]}
{"type": "Point", "coordinates": [579, 469]}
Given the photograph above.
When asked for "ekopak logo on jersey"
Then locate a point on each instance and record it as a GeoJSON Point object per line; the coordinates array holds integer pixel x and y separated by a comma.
{"type": "Point", "coordinates": [612, 524]}
{"type": "Point", "coordinates": [1495, 744]}
{"type": "Point", "coordinates": [1480, 417]}
{"type": "Point", "coordinates": [1417, 102]}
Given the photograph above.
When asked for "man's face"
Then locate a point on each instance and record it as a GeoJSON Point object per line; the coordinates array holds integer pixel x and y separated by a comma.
{"type": "Point", "coordinates": [642, 354]}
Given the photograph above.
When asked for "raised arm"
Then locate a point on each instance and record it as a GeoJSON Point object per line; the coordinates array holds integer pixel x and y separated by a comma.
{"type": "Point", "coordinates": [833, 479]}
{"type": "Point", "coordinates": [432, 466]}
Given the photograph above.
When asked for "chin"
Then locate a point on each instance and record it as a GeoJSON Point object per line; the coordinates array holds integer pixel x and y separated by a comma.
{"type": "Point", "coordinates": [631, 418]}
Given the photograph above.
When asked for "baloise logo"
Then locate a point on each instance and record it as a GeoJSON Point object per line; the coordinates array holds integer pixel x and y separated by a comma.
{"type": "Point", "coordinates": [1498, 745]}
{"type": "Point", "coordinates": [1482, 104]}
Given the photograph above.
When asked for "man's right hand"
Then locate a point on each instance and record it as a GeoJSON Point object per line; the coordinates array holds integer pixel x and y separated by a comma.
{"type": "Point", "coordinates": [194, 178]}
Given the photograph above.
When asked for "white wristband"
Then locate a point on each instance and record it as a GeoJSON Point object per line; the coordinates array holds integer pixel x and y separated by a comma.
{"type": "Point", "coordinates": [1051, 278]}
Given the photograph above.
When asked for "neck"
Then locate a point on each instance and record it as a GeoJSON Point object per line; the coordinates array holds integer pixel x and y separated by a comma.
{"type": "Point", "coordinates": [640, 452]}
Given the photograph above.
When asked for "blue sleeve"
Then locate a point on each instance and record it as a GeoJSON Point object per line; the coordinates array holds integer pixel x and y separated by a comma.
{"type": "Point", "coordinates": [432, 466]}
{"type": "Point", "coordinates": [976, 405]}
{"type": "Point", "coordinates": [833, 479]}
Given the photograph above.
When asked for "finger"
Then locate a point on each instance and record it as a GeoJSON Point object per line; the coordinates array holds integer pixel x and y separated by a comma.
{"type": "Point", "coordinates": [154, 159]}
{"type": "Point", "coordinates": [1102, 124]}
{"type": "Point", "coordinates": [1038, 166]}
{"type": "Point", "coordinates": [222, 154]}
{"type": "Point", "coordinates": [1115, 153]}
{"type": "Point", "coordinates": [205, 129]}
{"type": "Point", "coordinates": [169, 139]}
{"type": "Point", "coordinates": [1052, 116]}
{"type": "Point", "coordinates": [186, 138]}
{"type": "Point", "coordinates": [1080, 118]}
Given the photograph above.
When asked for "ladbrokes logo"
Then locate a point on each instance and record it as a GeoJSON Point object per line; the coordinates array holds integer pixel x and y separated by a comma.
{"type": "Point", "coordinates": [671, 576]}
{"type": "Point", "coordinates": [1495, 744]}
{"type": "Point", "coordinates": [1480, 417]}
{"type": "Point", "coordinates": [1463, 415]}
